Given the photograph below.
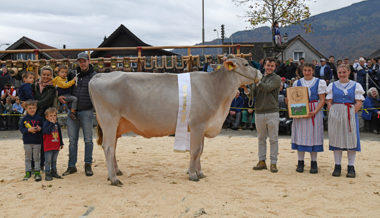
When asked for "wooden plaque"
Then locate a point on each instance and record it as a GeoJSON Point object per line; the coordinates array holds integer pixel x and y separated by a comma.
{"type": "Point", "coordinates": [298, 101]}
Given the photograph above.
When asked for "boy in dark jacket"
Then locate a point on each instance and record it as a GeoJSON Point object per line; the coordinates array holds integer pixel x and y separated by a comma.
{"type": "Point", "coordinates": [25, 91]}
{"type": "Point", "coordinates": [52, 137]}
{"type": "Point", "coordinates": [30, 128]}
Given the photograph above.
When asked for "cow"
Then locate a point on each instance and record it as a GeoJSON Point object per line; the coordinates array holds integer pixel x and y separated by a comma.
{"type": "Point", "coordinates": [147, 104]}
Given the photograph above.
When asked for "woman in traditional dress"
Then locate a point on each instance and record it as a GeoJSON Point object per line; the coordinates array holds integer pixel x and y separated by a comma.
{"type": "Point", "coordinates": [344, 99]}
{"type": "Point", "coordinates": [307, 133]}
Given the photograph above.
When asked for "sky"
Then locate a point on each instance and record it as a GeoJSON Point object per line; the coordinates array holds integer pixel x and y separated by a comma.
{"type": "Point", "coordinates": [84, 23]}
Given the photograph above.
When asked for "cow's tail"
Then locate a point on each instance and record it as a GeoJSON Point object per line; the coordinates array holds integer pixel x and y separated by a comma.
{"type": "Point", "coordinates": [100, 134]}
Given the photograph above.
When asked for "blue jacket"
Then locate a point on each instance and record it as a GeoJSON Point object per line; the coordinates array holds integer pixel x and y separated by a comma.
{"type": "Point", "coordinates": [369, 103]}
{"type": "Point", "coordinates": [25, 92]}
{"type": "Point", "coordinates": [237, 102]}
{"type": "Point", "coordinates": [27, 137]}
{"type": "Point", "coordinates": [327, 71]}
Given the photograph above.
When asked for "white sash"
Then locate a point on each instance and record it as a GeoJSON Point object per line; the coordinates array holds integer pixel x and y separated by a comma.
{"type": "Point", "coordinates": [182, 134]}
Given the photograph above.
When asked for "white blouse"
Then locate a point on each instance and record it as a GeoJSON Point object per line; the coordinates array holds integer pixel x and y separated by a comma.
{"type": "Point", "coordinates": [359, 91]}
{"type": "Point", "coordinates": [310, 83]}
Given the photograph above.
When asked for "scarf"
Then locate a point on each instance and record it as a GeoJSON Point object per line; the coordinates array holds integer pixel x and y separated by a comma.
{"type": "Point", "coordinates": [43, 85]}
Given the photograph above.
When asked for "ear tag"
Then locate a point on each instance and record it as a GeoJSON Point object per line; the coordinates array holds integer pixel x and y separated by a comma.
{"type": "Point", "coordinates": [230, 67]}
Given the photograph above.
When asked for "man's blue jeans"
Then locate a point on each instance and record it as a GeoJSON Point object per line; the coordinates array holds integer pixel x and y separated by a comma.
{"type": "Point", "coordinates": [51, 160]}
{"type": "Point", "coordinates": [85, 120]}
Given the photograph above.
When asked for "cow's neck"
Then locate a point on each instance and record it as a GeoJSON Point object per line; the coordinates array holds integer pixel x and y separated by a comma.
{"type": "Point", "coordinates": [227, 83]}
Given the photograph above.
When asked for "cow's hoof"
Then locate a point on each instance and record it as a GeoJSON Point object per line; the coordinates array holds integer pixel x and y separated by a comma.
{"type": "Point", "coordinates": [193, 177]}
{"type": "Point", "coordinates": [117, 183]}
{"type": "Point", "coordinates": [119, 173]}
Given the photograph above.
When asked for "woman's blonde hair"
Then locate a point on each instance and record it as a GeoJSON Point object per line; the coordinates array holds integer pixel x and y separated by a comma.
{"type": "Point", "coordinates": [47, 67]}
{"type": "Point", "coordinates": [345, 66]}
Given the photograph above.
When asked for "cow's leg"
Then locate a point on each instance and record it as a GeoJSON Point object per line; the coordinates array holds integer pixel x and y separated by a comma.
{"type": "Point", "coordinates": [109, 147]}
{"type": "Point", "coordinates": [198, 161]}
{"type": "Point", "coordinates": [118, 171]}
{"type": "Point", "coordinates": [196, 137]}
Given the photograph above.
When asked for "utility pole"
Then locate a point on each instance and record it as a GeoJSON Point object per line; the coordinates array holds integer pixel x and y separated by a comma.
{"type": "Point", "coordinates": [222, 36]}
{"type": "Point", "coordinates": [203, 25]}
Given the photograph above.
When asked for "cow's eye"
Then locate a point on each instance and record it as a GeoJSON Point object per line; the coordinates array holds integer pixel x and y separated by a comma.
{"type": "Point", "coordinates": [246, 65]}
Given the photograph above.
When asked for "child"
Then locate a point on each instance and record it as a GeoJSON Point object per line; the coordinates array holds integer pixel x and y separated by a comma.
{"type": "Point", "coordinates": [25, 91]}
{"type": "Point", "coordinates": [8, 105]}
{"type": "Point", "coordinates": [63, 88]}
{"type": "Point", "coordinates": [307, 133]}
{"type": "Point", "coordinates": [17, 108]}
{"type": "Point", "coordinates": [31, 135]}
{"type": "Point", "coordinates": [52, 137]}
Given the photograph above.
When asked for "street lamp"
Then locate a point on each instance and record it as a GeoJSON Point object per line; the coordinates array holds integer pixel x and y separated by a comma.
{"type": "Point", "coordinates": [203, 25]}
{"type": "Point", "coordinates": [217, 38]}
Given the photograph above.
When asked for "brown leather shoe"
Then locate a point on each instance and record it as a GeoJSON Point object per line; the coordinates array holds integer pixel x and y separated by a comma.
{"type": "Point", "coordinates": [273, 168]}
{"type": "Point", "coordinates": [261, 165]}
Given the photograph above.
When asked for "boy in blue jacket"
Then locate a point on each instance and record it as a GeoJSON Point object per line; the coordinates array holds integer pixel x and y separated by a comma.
{"type": "Point", "coordinates": [25, 91]}
{"type": "Point", "coordinates": [30, 127]}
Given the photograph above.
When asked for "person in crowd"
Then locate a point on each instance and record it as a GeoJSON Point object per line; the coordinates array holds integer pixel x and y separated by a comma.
{"type": "Point", "coordinates": [266, 92]}
{"type": "Point", "coordinates": [323, 71]}
{"type": "Point", "coordinates": [5, 77]}
{"type": "Point", "coordinates": [208, 65]}
{"type": "Point", "coordinates": [370, 113]}
{"type": "Point", "coordinates": [25, 91]}
{"type": "Point", "coordinates": [332, 66]}
{"type": "Point", "coordinates": [344, 100]}
{"type": "Point", "coordinates": [8, 105]}
{"type": "Point", "coordinates": [234, 116]}
{"type": "Point", "coordinates": [248, 114]}
{"type": "Point", "coordinates": [8, 91]}
{"type": "Point", "coordinates": [16, 107]}
{"type": "Point", "coordinates": [64, 89]}
{"type": "Point", "coordinates": [52, 139]}
{"type": "Point", "coordinates": [283, 87]}
{"type": "Point", "coordinates": [307, 133]}
{"type": "Point", "coordinates": [299, 74]}
{"type": "Point", "coordinates": [290, 68]}
{"type": "Point", "coordinates": [85, 116]}
{"type": "Point", "coordinates": [16, 111]}
{"type": "Point", "coordinates": [339, 62]}
{"type": "Point", "coordinates": [361, 71]}
{"type": "Point", "coordinates": [346, 61]}
{"type": "Point", "coordinates": [30, 127]}
{"type": "Point", "coordinates": [315, 62]}
{"type": "Point", "coordinates": [277, 34]}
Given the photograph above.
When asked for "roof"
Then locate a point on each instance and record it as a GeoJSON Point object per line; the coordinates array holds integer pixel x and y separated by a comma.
{"type": "Point", "coordinates": [376, 54]}
{"type": "Point", "coordinates": [299, 37]}
{"type": "Point", "coordinates": [123, 37]}
{"type": "Point", "coordinates": [34, 45]}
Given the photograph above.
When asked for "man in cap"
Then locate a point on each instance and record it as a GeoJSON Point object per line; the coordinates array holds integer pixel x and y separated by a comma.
{"type": "Point", "coordinates": [323, 71]}
{"type": "Point", "coordinates": [85, 110]}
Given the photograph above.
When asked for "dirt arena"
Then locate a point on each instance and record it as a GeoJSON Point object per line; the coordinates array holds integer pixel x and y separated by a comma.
{"type": "Point", "coordinates": [156, 185]}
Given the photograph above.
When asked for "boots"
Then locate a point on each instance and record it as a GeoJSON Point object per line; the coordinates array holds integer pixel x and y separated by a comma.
{"type": "Point", "coordinates": [27, 175]}
{"type": "Point", "coordinates": [273, 168]}
{"type": "Point", "coordinates": [70, 170]}
{"type": "Point", "coordinates": [337, 170]}
{"type": "Point", "coordinates": [313, 167]}
{"type": "Point", "coordinates": [300, 166]}
{"type": "Point", "coordinates": [48, 176]}
{"type": "Point", "coordinates": [54, 174]}
{"type": "Point", "coordinates": [261, 165]}
{"type": "Point", "coordinates": [87, 169]}
{"type": "Point", "coordinates": [350, 172]}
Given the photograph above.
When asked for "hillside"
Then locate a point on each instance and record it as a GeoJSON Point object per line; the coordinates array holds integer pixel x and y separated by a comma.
{"type": "Point", "coordinates": [347, 32]}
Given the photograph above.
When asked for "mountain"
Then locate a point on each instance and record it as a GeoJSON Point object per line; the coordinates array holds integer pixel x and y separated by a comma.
{"type": "Point", "coordinates": [351, 32]}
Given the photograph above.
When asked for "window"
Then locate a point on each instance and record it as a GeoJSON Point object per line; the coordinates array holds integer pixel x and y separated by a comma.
{"type": "Point", "coordinates": [297, 55]}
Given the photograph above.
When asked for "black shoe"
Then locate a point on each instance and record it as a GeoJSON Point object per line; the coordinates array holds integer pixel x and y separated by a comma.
{"type": "Point", "coordinates": [48, 176]}
{"type": "Point", "coordinates": [337, 170]}
{"type": "Point", "coordinates": [313, 167]}
{"type": "Point", "coordinates": [55, 174]}
{"type": "Point", "coordinates": [88, 170]}
{"type": "Point", "coordinates": [252, 126]}
{"type": "Point", "coordinates": [244, 126]}
{"type": "Point", "coordinates": [70, 170]}
{"type": "Point", "coordinates": [300, 166]}
{"type": "Point", "coordinates": [350, 172]}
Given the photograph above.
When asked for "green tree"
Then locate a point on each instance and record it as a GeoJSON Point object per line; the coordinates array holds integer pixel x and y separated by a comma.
{"type": "Point", "coordinates": [283, 12]}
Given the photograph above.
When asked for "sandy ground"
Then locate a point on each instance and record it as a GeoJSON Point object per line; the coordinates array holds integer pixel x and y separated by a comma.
{"type": "Point", "coordinates": [155, 183]}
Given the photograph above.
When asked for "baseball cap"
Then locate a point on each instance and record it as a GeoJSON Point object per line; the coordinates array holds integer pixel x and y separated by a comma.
{"type": "Point", "coordinates": [322, 59]}
{"type": "Point", "coordinates": [82, 55]}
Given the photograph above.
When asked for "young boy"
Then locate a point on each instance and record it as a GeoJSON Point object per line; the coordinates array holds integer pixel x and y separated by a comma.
{"type": "Point", "coordinates": [63, 88]}
{"type": "Point", "coordinates": [52, 137]}
{"type": "Point", "coordinates": [30, 128]}
{"type": "Point", "coordinates": [25, 91]}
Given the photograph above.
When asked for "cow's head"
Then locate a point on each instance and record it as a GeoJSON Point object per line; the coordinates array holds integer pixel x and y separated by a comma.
{"type": "Point", "coordinates": [243, 69]}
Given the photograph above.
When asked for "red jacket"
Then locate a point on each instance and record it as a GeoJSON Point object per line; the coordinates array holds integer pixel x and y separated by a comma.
{"type": "Point", "coordinates": [52, 136]}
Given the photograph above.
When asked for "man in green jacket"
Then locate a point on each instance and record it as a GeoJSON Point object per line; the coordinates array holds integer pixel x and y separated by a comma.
{"type": "Point", "coordinates": [266, 114]}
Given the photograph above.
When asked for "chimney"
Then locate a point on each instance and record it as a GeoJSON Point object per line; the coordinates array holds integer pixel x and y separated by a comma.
{"type": "Point", "coordinates": [64, 46]}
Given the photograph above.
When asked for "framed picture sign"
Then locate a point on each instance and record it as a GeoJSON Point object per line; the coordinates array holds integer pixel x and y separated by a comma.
{"type": "Point", "coordinates": [298, 102]}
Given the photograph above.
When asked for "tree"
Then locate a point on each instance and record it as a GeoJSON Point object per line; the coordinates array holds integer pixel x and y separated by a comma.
{"type": "Point", "coordinates": [284, 12]}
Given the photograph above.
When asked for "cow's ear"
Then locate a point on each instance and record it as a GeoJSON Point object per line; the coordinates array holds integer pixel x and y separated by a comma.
{"type": "Point", "coordinates": [229, 65]}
